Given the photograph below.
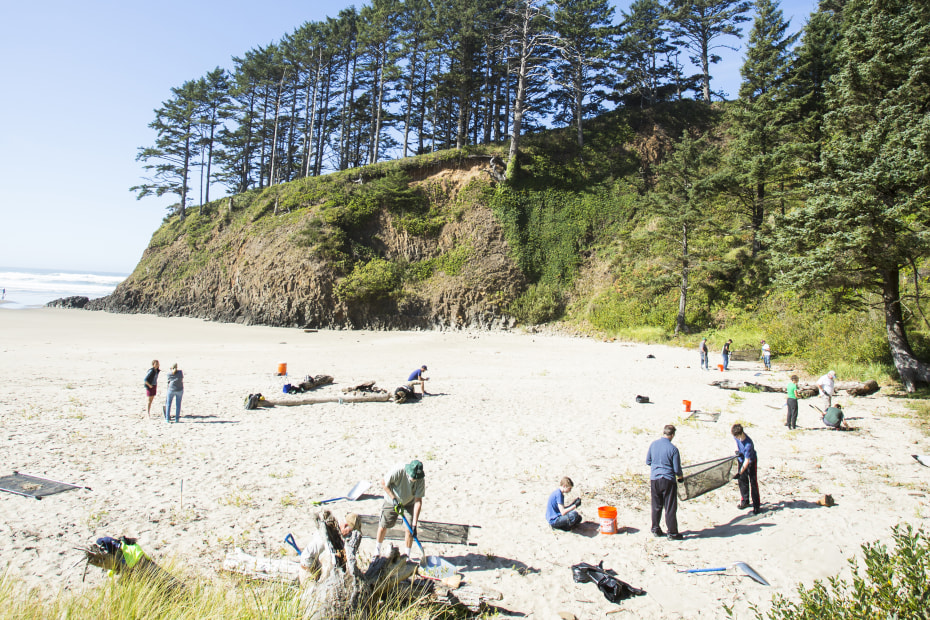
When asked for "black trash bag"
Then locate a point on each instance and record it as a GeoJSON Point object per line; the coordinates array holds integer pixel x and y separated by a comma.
{"type": "Point", "coordinates": [642, 399]}
{"type": "Point", "coordinates": [614, 589]}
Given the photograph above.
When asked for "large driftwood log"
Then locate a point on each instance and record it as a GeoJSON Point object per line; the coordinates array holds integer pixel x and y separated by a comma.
{"type": "Point", "coordinates": [316, 400]}
{"type": "Point", "coordinates": [805, 390]}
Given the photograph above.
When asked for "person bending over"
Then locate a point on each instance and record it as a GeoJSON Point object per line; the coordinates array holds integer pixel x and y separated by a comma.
{"type": "Point", "coordinates": [835, 418]}
{"type": "Point", "coordinates": [404, 488]}
{"type": "Point", "coordinates": [748, 482]}
{"type": "Point", "coordinates": [417, 377]}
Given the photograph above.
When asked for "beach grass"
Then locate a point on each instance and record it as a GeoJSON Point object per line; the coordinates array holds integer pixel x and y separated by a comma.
{"type": "Point", "coordinates": [130, 597]}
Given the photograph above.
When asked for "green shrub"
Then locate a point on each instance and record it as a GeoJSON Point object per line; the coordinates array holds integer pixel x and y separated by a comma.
{"type": "Point", "coordinates": [895, 585]}
{"type": "Point", "coordinates": [538, 304]}
{"type": "Point", "coordinates": [376, 279]}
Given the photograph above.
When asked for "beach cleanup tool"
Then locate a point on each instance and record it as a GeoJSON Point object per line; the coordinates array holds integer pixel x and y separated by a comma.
{"type": "Point", "coordinates": [433, 565]}
{"type": "Point", "coordinates": [289, 539]}
{"type": "Point", "coordinates": [923, 459]}
{"type": "Point", "coordinates": [35, 486]}
{"type": "Point", "coordinates": [353, 494]}
{"type": "Point", "coordinates": [702, 478]}
{"type": "Point", "coordinates": [742, 566]}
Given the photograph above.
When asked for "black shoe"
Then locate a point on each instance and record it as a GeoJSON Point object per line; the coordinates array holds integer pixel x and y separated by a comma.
{"type": "Point", "coordinates": [756, 511]}
{"type": "Point", "coordinates": [675, 537]}
{"type": "Point", "coordinates": [742, 505]}
{"type": "Point", "coordinates": [658, 533]}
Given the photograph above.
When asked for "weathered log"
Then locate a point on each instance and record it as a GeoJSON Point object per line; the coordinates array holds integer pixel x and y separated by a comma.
{"type": "Point", "coordinates": [805, 390]}
{"type": "Point", "coordinates": [316, 400]}
{"type": "Point", "coordinates": [263, 569]}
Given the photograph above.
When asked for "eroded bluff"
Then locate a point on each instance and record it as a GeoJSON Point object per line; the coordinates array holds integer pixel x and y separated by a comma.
{"type": "Point", "coordinates": [259, 275]}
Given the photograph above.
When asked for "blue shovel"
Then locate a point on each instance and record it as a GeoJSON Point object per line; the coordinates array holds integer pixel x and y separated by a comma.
{"type": "Point", "coordinates": [745, 568]}
{"type": "Point", "coordinates": [289, 539]}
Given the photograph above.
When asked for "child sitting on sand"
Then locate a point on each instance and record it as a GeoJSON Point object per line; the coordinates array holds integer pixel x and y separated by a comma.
{"type": "Point", "coordinates": [560, 516]}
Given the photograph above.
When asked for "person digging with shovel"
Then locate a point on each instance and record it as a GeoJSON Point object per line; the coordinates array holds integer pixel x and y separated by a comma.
{"type": "Point", "coordinates": [404, 488]}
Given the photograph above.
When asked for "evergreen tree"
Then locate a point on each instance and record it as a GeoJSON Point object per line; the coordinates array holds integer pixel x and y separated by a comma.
{"type": "Point", "coordinates": [758, 160]}
{"type": "Point", "coordinates": [176, 147]}
{"type": "Point", "coordinates": [699, 24]}
{"type": "Point", "coordinates": [680, 203]}
{"type": "Point", "coordinates": [213, 102]}
{"type": "Point", "coordinates": [867, 217]}
{"type": "Point", "coordinates": [644, 65]}
{"type": "Point", "coordinates": [582, 43]}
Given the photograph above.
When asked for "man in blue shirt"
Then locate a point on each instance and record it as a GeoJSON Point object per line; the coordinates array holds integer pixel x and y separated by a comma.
{"type": "Point", "coordinates": [748, 483]}
{"type": "Point", "coordinates": [560, 516]}
{"type": "Point", "coordinates": [417, 376]}
{"type": "Point", "coordinates": [665, 467]}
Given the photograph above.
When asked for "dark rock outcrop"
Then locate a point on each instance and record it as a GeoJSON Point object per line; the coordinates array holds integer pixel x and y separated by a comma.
{"type": "Point", "coordinates": [74, 302]}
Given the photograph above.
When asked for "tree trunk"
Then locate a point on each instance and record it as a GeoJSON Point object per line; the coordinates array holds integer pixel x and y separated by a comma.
{"type": "Point", "coordinates": [680, 325]}
{"type": "Point", "coordinates": [911, 370]}
{"type": "Point", "coordinates": [705, 70]}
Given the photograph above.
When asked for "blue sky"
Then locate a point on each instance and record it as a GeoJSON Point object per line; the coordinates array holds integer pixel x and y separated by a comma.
{"type": "Point", "coordinates": [81, 81]}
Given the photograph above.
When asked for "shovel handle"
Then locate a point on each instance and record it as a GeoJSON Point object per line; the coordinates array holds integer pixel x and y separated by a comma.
{"type": "Point", "coordinates": [289, 539]}
{"type": "Point", "coordinates": [703, 570]}
{"type": "Point", "coordinates": [415, 539]}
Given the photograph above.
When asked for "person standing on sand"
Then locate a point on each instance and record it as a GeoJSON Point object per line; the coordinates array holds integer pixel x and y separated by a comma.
{"type": "Point", "coordinates": [792, 389]}
{"type": "Point", "coordinates": [175, 392]}
{"type": "Point", "coordinates": [417, 376]}
{"type": "Point", "coordinates": [664, 462]}
{"type": "Point", "coordinates": [725, 354]}
{"type": "Point", "coordinates": [766, 355]}
{"type": "Point", "coordinates": [404, 488]}
{"type": "Point", "coordinates": [558, 515]}
{"type": "Point", "coordinates": [702, 349]}
{"type": "Point", "coordinates": [748, 482]}
{"type": "Point", "coordinates": [827, 386]}
{"type": "Point", "coordinates": [151, 386]}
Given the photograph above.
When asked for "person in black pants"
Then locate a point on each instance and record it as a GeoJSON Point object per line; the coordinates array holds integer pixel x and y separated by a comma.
{"type": "Point", "coordinates": [748, 483]}
{"type": "Point", "coordinates": [665, 467]}
{"type": "Point", "coordinates": [792, 421]}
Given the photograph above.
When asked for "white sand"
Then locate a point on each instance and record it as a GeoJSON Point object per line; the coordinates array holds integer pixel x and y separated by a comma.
{"type": "Point", "coordinates": [513, 413]}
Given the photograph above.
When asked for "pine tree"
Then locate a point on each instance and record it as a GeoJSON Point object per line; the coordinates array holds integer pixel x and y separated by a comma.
{"type": "Point", "coordinates": [176, 147]}
{"type": "Point", "coordinates": [699, 24]}
{"type": "Point", "coordinates": [643, 55]}
{"type": "Point", "coordinates": [867, 218]}
{"type": "Point", "coordinates": [759, 161]}
{"type": "Point", "coordinates": [582, 43]}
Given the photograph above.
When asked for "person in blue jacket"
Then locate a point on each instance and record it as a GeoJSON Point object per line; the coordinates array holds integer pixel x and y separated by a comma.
{"type": "Point", "coordinates": [747, 459]}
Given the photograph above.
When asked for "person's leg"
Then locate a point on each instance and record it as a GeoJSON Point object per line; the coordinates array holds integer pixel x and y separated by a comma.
{"type": "Point", "coordinates": [574, 518]}
{"type": "Point", "coordinates": [793, 411]}
{"type": "Point", "coordinates": [671, 507]}
{"type": "Point", "coordinates": [177, 411]}
{"type": "Point", "coordinates": [148, 408]}
{"type": "Point", "coordinates": [744, 489]}
{"type": "Point", "coordinates": [562, 522]}
{"type": "Point", "coordinates": [657, 504]}
{"type": "Point", "coordinates": [726, 361]}
{"type": "Point", "coordinates": [827, 401]}
{"type": "Point", "coordinates": [754, 486]}
{"type": "Point", "coordinates": [387, 521]}
{"type": "Point", "coordinates": [167, 408]}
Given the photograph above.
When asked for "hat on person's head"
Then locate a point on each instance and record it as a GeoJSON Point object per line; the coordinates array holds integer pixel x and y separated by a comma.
{"type": "Point", "coordinates": [424, 367]}
{"type": "Point", "coordinates": [832, 373]}
{"type": "Point", "coordinates": [353, 521]}
{"type": "Point", "coordinates": [414, 469]}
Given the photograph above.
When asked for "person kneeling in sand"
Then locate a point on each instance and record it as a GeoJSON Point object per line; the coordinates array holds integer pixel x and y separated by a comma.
{"type": "Point", "coordinates": [835, 418]}
{"type": "Point", "coordinates": [310, 565]}
{"type": "Point", "coordinates": [404, 488]}
{"type": "Point", "coordinates": [560, 516]}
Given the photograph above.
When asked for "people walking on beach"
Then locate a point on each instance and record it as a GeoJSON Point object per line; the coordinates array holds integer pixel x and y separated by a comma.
{"type": "Point", "coordinates": [404, 488]}
{"type": "Point", "coordinates": [835, 418]}
{"type": "Point", "coordinates": [664, 474]}
{"type": "Point", "coordinates": [766, 355]}
{"type": "Point", "coordinates": [151, 386]}
{"type": "Point", "coordinates": [175, 392]}
{"type": "Point", "coordinates": [827, 386]}
{"type": "Point", "coordinates": [792, 389]}
{"type": "Point", "coordinates": [559, 515]}
{"type": "Point", "coordinates": [702, 349]}
{"type": "Point", "coordinates": [725, 354]}
{"type": "Point", "coordinates": [417, 376]}
{"type": "Point", "coordinates": [748, 470]}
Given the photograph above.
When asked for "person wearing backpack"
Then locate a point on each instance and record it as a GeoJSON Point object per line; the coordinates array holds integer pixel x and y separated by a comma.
{"type": "Point", "coordinates": [151, 386]}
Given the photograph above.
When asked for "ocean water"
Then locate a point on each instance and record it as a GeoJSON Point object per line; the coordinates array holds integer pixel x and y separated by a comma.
{"type": "Point", "coordinates": [30, 288]}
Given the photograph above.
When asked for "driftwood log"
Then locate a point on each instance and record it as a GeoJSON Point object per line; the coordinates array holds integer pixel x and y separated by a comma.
{"type": "Point", "coordinates": [316, 400]}
{"type": "Point", "coordinates": [263, 569]}
{"type": "Point", "coordinates": [805, 390]}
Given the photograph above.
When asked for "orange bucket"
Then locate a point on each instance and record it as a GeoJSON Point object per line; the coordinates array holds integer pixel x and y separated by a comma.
{"type": "Point", "coordinates": [720, 366]}
{"type": "Point", "coordinates": [608, 518]}
{"type": "Point", "coordinates": [282, 369]}
{"type": "Point", "coordinates": [686, 406]}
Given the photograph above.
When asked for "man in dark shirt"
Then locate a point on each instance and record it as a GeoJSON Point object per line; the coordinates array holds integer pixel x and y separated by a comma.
{"type": "Point", "coordinates": [665, 467]}
{"type": "Point", "coordinates": [748, 483]}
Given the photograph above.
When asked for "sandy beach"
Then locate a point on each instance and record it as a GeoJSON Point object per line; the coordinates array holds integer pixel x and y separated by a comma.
{"type": "Point", "coordinates": [509, 414]}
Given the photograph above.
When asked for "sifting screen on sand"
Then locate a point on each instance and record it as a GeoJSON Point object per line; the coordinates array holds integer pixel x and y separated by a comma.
{"type": "Point", "coordinates": [705, 477]}
{"type": "Point", "coordinates": [34, 486]}
{"type": "Point", "coordinates": [427, 531]}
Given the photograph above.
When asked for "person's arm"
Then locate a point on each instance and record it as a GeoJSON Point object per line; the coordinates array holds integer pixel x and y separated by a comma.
{"type": "Point", "coordinates": [417, 506]}
{"type": "Point", "coordinates": [564, 510]}
{"type": "Point", "coordinates": [388, 491]}
{"type": "Point", "coordinates": [676, 466]}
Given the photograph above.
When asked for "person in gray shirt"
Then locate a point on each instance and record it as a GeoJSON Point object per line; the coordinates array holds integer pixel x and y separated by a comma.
{"type": "Point", "coordinates": [664, 474]}
{"type": "Point", "coordinates": [175, 392]}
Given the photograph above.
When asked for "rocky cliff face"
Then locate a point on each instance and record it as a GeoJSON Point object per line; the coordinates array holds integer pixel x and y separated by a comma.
{"type": "Point", "coordinates": [251, 269]}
